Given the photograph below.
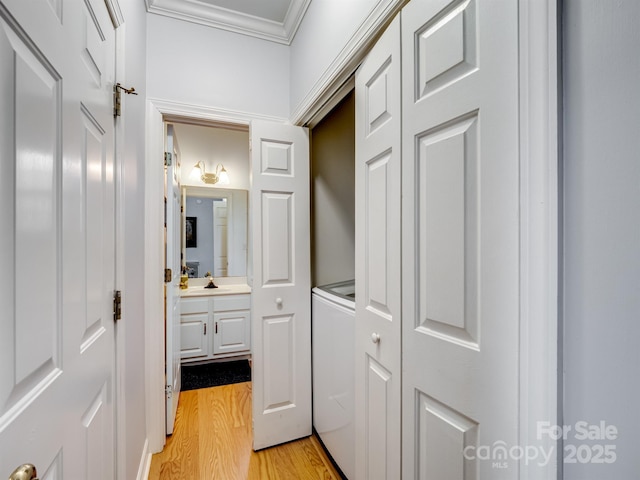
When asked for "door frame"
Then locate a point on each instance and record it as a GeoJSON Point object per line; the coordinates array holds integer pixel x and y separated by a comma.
{"type": "Point", "coordinates": [159, 111]}
{"type": "Point", "coordinates": [119, 28]}
{"type": "Point", "coordinates": [539, 229]}
{"type": "Point", "coordinates": [540, 234]}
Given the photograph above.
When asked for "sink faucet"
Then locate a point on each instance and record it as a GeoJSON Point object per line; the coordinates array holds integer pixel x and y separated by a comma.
{"type": "Point", "coordinates": [210, 284]}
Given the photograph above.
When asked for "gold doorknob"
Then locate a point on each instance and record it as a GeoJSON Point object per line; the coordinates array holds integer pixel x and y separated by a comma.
{"type": "Point", "coordinates": [24, 472]}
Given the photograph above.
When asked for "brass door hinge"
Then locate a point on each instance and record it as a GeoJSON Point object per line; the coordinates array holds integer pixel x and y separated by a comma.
{"type": "Point", "coordinates": [168, 275]}
{"type": "Point", "coordinates": [117, 97]}
{"type": "Point", "coordinates": [117, 305]}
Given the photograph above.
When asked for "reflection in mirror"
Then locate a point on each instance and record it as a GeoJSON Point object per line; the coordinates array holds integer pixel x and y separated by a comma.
{"type": "Point", "coordinates": [215, 231]}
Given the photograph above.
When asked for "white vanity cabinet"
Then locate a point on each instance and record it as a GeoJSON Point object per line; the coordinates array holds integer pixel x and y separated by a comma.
{"type": "Point", "coordinates": [215, 326]}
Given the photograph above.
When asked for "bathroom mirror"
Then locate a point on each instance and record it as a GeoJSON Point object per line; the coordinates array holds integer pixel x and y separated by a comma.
{"type": "Point", "coordinates": [214, 230]}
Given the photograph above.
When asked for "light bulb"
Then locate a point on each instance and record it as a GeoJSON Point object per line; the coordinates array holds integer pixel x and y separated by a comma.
{"type": "Point", "coordinates": [223, 178]}
{"type": "Point", "coordinates": [196, 172]}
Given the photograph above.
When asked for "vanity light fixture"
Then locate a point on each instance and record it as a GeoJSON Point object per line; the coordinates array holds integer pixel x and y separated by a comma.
{"type": "Point", "coordinates": [221, 176]}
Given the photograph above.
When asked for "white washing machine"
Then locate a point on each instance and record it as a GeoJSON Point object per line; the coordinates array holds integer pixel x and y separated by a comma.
{"type": "Point", "coordinates": [333, 337]}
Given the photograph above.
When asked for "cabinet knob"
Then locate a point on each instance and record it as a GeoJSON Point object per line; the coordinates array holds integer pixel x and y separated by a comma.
{"type": "Point", "coordinates": [375, 337]}
{"type": "Point", "coordinates": [279, 302]}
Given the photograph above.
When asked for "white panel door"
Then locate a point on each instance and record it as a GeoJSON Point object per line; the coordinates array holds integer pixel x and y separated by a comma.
{"type": "Point", "coordinates": [378, 295]}
{"type": "Point", "coordinates": [281, 294]}
{"type": "Point", "coordinates": [172, 287]}
{"type": "Point", "coordinates": [57, 241]}
{"type": "Point", "coordinates": [460, 239]}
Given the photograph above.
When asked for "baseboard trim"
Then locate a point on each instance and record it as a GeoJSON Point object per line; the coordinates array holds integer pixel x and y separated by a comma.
{"type": "Point", "coordinates": [145, 462]}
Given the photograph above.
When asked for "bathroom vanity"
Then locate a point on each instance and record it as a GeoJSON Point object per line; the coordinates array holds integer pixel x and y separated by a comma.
{"type": "Point", "coordinates": [215, 323]}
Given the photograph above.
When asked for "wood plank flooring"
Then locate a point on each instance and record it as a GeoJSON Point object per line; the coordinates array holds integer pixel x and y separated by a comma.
{"type": "Point", "coordinates": [212, 440]}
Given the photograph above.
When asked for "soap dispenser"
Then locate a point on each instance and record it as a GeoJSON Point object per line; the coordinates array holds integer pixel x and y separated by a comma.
{"type": "Point", "coordinates": [184, 279]}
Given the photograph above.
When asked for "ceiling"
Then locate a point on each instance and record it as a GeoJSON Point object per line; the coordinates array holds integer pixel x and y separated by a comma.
{"type": "Point", "coordinates": [273, 20]}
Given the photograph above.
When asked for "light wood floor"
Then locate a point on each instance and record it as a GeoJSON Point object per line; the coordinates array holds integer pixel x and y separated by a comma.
{"type": "Point", "coordinates": [212, 440]}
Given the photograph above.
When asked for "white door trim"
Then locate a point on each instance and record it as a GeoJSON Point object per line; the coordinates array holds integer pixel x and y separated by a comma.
{"type": "Point", "coordinates": [207, 113]}
{"type": "Point", "coordinates": [120, 239]}
{"type": "Point", "coordinates": [153, 280]}
{"type": "Point", "coordinates": [153, 274]}
{"type": "Point", "coordinates": [539, 232]}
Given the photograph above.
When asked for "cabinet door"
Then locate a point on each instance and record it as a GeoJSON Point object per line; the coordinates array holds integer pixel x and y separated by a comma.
{"type": "Point", "coordinates": [232, 332]}
{"type": "Point", "coordinates": [193, 336]}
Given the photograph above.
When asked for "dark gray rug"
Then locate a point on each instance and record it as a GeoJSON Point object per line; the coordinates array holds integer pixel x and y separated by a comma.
{"type": "Point", "coordinates": [215, 374]}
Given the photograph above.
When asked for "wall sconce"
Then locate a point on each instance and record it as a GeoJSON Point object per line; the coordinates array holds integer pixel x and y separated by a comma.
{"type": "Point", "coordinates": [221, 176]}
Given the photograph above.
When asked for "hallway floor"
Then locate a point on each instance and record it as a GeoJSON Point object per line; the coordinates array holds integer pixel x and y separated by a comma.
{"type": "Point", "coordinates": [212, 440]}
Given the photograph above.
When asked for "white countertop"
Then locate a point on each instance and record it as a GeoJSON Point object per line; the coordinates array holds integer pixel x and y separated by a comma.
{"type": "Point", "coordinates": [196, 288]}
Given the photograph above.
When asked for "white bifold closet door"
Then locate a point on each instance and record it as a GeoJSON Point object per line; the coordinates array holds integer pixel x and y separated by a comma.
{"type": "Point", "coordinates": [378, 290]}
{"type": "Point", "coordinates": [281, 286]}
{"type": "Point", "coordinates": [460, 232]}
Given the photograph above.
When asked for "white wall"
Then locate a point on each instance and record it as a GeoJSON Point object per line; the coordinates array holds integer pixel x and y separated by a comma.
{"type": "Point", "coordinates": [601, 228]}
{"type": "Point", "coordinates": [214, 146]}
{"type": "Point", "coordinates": [199, 65]}
{"type": "Point", "coordinates": [133, 308]}
{"type": "Point", "coordinates": [325, 30]}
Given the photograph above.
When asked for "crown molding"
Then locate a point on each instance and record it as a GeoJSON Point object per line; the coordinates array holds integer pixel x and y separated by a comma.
{"type": "Point", "coordinates": [209, 15]}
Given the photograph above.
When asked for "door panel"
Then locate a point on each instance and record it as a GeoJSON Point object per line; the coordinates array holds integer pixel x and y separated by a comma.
{"type": "Point", "coordinates": [448, 175]}
{"type": "Point", "coordinates": [97, 269]}
{"type": "Point", "coordinates": [380, 383]}
{"type": "Point", "coordinates": [58, 246]}
{"type": "Point", "coordinates": [378, 309]}
{"type": "Point", "coordinates": [281, 293]}
{"type": "Point", "coordinates": [29, 182]}
{"type": "Point", "coordinates": [460, 237]}
{"type": "Point", "coordinates": [276, 235]}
